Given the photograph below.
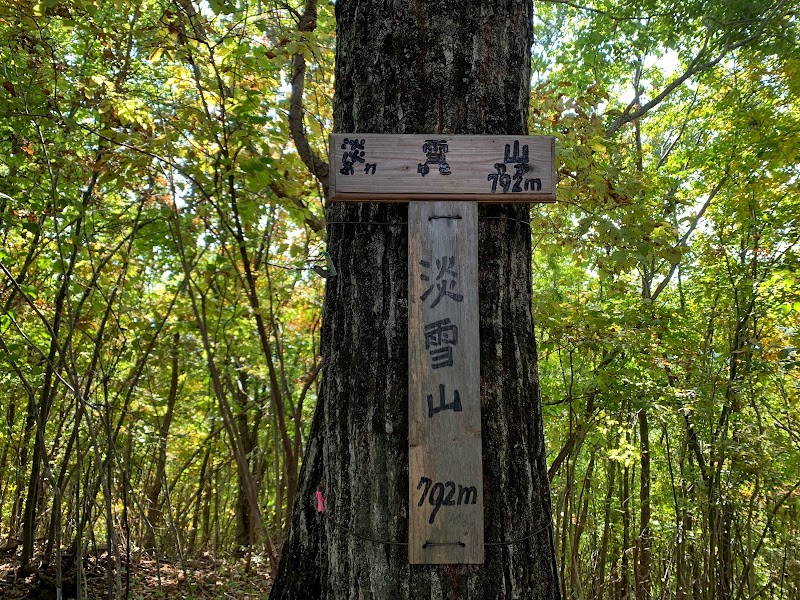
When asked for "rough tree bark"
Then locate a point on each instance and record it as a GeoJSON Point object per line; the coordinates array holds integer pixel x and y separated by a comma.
{"type": "Point", "coordinates": [445, 67]}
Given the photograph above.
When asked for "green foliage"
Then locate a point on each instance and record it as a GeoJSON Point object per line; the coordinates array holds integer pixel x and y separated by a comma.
{"type": "Point", "coordinates": [665, 290]}
{"type": "Point", "coordinates": [152, 206]}
{"type": "Point", "coordinates": [145, 159]}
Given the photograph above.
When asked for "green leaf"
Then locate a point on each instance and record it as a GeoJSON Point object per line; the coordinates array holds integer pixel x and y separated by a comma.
{"type": "Point", "coordinates": [29, 290]}
{"type": "Point", "coordinates": [155, 55]}
{"type": "Point", "coordinates": [30, 226]}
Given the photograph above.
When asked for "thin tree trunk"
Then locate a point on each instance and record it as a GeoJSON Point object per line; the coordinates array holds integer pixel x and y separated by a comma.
{"type": "Point", "coordinates": [198, 303]}
{"type": "Point", "coordinates": [244, 524]}
{"type": "Point", "coordinates": [643, 540]}
{"type": "Point", "coordinates": [725, 553]}
{"type": "Point", "coordinates": [580, 525]}
{"type": "Point", "coordinates": [5, 475]}
{"type": "Point", "coordinates": [685, 575]}
{"type": "Point", "coordinates": [41, 411]}
{"type": "Point", "coordinates": [199, 503]}
{"type": "Point", "coordinates": [599, 580]}
{"type": "Point", "coordinates": [153, 505]}
{"type": "Point", "coordinates": [22, 464]}
{"type": "Point", "coordinates": [279, 479]}
{"type": "Point", "coordinates": [565, 512]}
{"type": "Point", "coordinates": [624, 576]}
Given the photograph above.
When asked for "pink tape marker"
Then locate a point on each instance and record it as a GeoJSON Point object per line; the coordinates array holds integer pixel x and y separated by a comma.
{"type": "Point", "coordinates": [320, 502]}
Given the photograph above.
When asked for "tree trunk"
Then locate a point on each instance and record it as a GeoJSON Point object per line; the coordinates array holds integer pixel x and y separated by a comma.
{"type": "Point", "coordinates": [153, 493]}
{"type": "Point", "coordinates": [624, 578]}
{"type": "Point", "coordinates": [599, 578]}
{"type": "Point", "coordinates": [564, 510]}
{"type": "Point", "coordinates": [249, 435]}
{"type": "Point", "coordinates": [440, 67]}
{"type": "Point", "coordinates": [643, 540]}
{"type": "Point", "coordinates": [580, 524]}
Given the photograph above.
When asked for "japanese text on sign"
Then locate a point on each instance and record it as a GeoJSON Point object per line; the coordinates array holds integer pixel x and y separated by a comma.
{"type": "Point", "coordinates": [412, 168]}
{"type": "Point", "coordinates": [521, 168]}
{"type": "Point", "coordinates": [445, 275]}
{"type": "Point", "coordinates": [445, 476]}
{"type": "Point", "coordinates": [354, 153]}
{"type": "Point", "coordinates": [440, 337]}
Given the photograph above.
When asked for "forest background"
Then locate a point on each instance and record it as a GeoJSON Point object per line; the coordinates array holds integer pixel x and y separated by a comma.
{"type": "Point", "coordinates": [162, 268]}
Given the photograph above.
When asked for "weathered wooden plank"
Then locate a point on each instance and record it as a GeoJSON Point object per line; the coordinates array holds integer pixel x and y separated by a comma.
{"type": "Point", "coordinates": [445, 455]}
{"type": "Point", "coordinates": [402, 168]}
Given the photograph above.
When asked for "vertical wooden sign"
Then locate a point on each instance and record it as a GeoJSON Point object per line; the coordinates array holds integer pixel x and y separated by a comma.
{"type": "Point", "coordinates": [445, 454]}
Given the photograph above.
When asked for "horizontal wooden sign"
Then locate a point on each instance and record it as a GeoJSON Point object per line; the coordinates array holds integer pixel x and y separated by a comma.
{"type": "Point", "coordinates": [367, 167]}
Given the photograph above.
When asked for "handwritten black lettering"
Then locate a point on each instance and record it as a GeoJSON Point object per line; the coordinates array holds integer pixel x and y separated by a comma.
{"type": "Point", "coordinates": [447, 275]}
{"type": "Point", "coordinates": [520, 158]}
{"type": "Point", "coordinates": [436, 497]}
{"type": "Point", "coordinates": [501, 177]}
{"type": "Point", "coordinates": [435, 151]}
{"type": "Point", "coordinates": [354, 152]}
{"type": "Point", "coordinates": [521, 170]}
{"type": "Point", "coordinates": [427, 482]}
{"type": "Point", "coordinates": [455, 405]}
{"type": "Point", "coordinates": [440, 337]}
{"type": "Point", "coordinates": [534, 185]}
{"type": "Point", "coordinates": [443, 494]}
{"type": "Point", "coordinates": [465, 493]}
{"type": "Point", "coordinates": [516, 157]}
{"type": "Point", "coordinates": [448, 501]}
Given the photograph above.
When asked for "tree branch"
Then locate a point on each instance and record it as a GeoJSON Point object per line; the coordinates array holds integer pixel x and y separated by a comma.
{"type": "Point", "coordinates": [604, 13]}
{"type": "Point", "coordinates": [695, 67]}
{"type": "Point", "coordinates": [688, 233]}
{"type": "Point", "coordinates": [317, 165]}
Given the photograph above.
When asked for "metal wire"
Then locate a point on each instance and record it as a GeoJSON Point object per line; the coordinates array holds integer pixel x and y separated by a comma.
{"type": "Point", "coordinates": [427, 545]}
{"type": "Point", "coordinates": [526, 223]}
{"type": "Point", "coordinates": [366, 223]}
{"type": "Point", "coordinates": [364, 537]}
{"type": "Point", "coordinates": [522, 539]}
{"type": "Point", "coordinates": [431, 544]}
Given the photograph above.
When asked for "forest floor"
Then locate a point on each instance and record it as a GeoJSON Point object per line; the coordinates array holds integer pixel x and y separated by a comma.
{"type": "Point", "coordinates": [205, 578]}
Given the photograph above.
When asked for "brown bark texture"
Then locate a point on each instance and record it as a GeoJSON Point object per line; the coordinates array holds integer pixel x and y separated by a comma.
{"type": "Point", "coordinates": [440, 67]}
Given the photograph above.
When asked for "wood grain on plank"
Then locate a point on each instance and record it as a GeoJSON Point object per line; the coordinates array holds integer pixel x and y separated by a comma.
{"type": "Point", "coordinates": [445, 450]}
{"type": "Point", "coordinates": [405, 168]}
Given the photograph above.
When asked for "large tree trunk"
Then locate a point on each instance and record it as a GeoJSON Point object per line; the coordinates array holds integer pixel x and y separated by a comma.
{"type": "Point", "coordinates": [441, 67]}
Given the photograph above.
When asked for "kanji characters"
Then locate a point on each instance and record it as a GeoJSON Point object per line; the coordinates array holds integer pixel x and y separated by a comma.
{"type": "Point", "coordinates": [354, 152]}
{"type": "Point", "coordinates": [435, 151]}
{"type": "Point", "coordinates": [520, 160]}
{"type": "Point", "coordinates": [455, 405]}
{"type": "Point", "coordinates": [445, 280]}
{"type": "Point", "coordinates": [440, 337]}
